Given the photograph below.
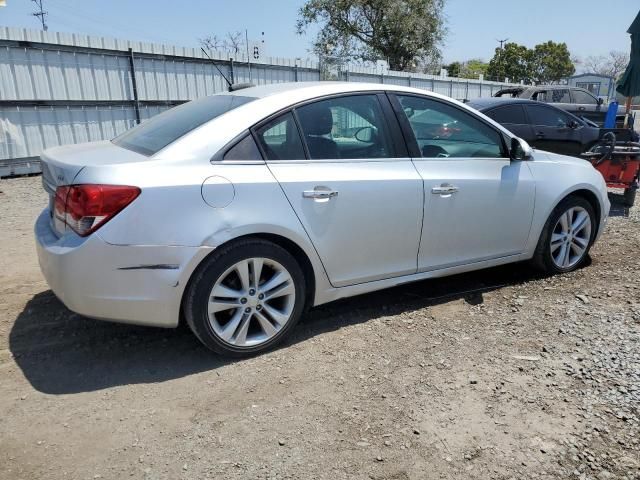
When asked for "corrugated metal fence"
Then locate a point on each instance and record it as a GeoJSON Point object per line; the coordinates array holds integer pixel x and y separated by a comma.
{"type": "Point", "coordinates": [59, 88]}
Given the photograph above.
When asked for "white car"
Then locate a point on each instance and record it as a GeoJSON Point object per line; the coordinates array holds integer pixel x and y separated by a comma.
{"type": "Point", "coordinates": [239, 210]}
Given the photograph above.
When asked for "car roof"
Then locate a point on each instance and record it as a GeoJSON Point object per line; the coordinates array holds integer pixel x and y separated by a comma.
{"type": "Point", "coordinates": [491, 102]}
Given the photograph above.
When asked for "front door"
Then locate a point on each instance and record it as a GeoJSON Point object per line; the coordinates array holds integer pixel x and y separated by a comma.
{"type": "Point", "coordinates": [478, 204]}
{"type": "Point", "coordinates": [360, 205]}
{"type": "Point", "coordinates": [553, 130]}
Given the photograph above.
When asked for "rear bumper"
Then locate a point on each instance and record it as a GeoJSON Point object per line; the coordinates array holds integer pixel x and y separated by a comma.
{"type": "Point", "coordinates": [123, 283]}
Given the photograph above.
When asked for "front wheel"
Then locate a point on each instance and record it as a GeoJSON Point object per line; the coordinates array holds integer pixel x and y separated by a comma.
{"type": "Point", "coordinates": [567, 236]}
{"type": "Point", "coordinates": [245, 298]}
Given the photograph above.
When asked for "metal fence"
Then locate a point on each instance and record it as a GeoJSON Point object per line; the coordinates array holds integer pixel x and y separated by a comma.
{"type": "Point", "coordinates": [58, 88]}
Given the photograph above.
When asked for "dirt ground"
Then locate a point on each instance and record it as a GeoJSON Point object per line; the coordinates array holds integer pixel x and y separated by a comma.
{"type": "Point", "coordinates": [499, 374]}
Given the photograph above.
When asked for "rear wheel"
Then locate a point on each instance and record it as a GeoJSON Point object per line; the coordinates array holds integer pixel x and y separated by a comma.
{"type": "Point", "coordinates": [245, 298]}
{"type": "Point", "coordinates": [567, 236]}
{"type": "Point", "coordinates": [630, 197]}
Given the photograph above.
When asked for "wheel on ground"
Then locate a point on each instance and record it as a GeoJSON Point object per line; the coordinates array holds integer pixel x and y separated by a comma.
{"type": "Point", "coordinates": [245, 298]}
{"type": "Point", "coordinates": [630, 197]}
{"type": "Point", "coordinates": [567, 236]}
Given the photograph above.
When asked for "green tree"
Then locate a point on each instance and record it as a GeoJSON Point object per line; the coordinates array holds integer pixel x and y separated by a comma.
{"type": "Point", "coordinates": [474, 68]}
{"type": "Point", "coordinates": [454, 69]}
{"type": "Point", "coordinates": [405, 33]}
{"type": "Point", "coordinates": [513, 62]}
{"type": "Point", "coordinates": [544, 63]}
{"type": "Point", "coordinates": [551, 62]}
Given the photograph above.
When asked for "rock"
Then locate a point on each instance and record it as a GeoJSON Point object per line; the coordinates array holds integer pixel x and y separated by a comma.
{"type": "Point", "coordinates": [379, 458]}
{"type": "Point", "coordinates": [281, 442]}
{"type": "Point", "coordinates": [416, 431]}
{"type": "Point", "coordinates": [604, 475]}
{"type": "Point", "coordinates": [582, 298]}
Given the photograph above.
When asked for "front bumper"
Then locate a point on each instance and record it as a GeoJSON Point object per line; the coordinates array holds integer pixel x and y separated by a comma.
{"type": "Point", "coordinates": [123, 283]}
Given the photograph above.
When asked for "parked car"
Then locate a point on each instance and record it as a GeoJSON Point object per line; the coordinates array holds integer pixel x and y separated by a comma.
{"type": "Point", "coordinates": [543, 126]}
{"type": "Point", "coordinates": [577, 101]}
{"type": "Point", "coordinates": [238, 211]}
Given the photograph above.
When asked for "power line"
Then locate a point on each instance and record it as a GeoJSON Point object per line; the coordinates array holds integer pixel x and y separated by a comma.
{"type": "Point", "coordinates": [41, 14]}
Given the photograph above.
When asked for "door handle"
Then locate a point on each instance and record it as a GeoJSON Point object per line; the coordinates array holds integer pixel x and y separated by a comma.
{"type": "Point", "coordinates": [540, 135]}
{"type": "Point", "coordinates": [444, 189]}
{"type": "Point", "coordinates": [582, 109]}
{"type": "Point", "coordinates": [320, 194]}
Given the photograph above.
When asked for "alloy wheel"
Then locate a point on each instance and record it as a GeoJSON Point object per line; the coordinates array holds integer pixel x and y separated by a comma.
{"type": "Point", "coordinates": [251, 302]}
{"type": "Point", "coordinates": [570, 237]}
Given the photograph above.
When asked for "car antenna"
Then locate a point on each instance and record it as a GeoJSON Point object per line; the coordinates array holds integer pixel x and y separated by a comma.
{"type": "Point", "coordinates": [218, 68]}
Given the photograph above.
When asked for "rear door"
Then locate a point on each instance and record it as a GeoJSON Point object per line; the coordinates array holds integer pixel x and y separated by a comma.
{"type": "Point", "coordinates": [351, 184]}
{"type": "Point", "coordinates": [553, 131]}
{"type": "Point", "coordinates": [513, 118]}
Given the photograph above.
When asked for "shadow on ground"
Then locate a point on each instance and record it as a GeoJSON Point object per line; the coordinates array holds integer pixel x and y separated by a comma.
{"type": "Point", "coordinates": [61, 352]}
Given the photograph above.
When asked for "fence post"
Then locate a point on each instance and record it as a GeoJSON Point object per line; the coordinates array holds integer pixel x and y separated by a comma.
{"type": "Point", "coordinates": [466, 91]}
{"type": "Point", "coordinates": [295, 72]}
{"type": "Point", "coordinates": [409, 80]}
{"type": "Point", "coordinates": [231, 73]}
{"type": "Point", "coordinates": [451, 88]}
{"type": "Point", "coordinates": [134, 86]}
{"type": "Point", "coordinates": [381, 77]}
{"type": "Point", "coordinates": [480, 95]}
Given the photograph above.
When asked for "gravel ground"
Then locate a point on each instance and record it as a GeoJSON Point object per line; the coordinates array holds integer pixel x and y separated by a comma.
{"type": "Point", "coordinates": [499, 374]}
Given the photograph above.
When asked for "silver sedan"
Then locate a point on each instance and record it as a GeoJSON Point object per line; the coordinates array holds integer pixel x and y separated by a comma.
{"type": "Point", "coordinates": [238, 211]}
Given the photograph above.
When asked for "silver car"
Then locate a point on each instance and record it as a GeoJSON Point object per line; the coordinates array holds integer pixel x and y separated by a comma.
{"type": "Point", "coordinates": [238, 211]}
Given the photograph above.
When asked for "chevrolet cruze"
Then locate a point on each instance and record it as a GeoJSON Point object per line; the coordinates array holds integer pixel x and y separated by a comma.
{"type": "Point", "coordinates": [238, 211]}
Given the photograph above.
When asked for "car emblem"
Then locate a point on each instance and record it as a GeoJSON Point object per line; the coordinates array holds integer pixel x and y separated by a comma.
{"type": "Point", "coordinates": [60, 178]}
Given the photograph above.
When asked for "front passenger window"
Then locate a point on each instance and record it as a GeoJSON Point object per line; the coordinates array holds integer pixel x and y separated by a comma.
{"type": "Point", "coordinates": [444, 131]}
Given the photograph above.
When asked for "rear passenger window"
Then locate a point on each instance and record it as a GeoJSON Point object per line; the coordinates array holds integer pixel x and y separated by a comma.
{"type": "Point", "coordinates": [513, 114]}
{"type": "Point", "coordinates": [245, 149]}
{"type": "Point", "coordinates": [554, 96]}
{"type": "Point", "coordinates": [280, 139]}
{"type": "Point", "coordinates": [347, 127]}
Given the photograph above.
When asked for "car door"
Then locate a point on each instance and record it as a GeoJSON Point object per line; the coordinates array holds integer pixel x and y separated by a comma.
{"type": "Point", "coordinates": [554, 130]}
{"type": "Point", "coordinates": [587, 106]}
{"type": "Point", "coordinates": [478, 203]}
{"type": "Point", "coordinates": [513, 118]}
{"type": "Point", "coordinates": [344, 169]}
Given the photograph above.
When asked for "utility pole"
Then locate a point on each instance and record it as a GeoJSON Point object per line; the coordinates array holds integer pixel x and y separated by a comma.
{"type": "Point", "coordinates": [502, 42]}
{"type": "Point", "coordinates": [41, 14]}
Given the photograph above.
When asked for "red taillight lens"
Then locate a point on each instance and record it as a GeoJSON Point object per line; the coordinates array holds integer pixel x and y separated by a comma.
{"type": "Point", "coordinates": [85, 208]}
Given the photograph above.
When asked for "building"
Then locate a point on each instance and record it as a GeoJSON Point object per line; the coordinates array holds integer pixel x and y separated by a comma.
{"type": "Point", "coordinates": [600, 85]}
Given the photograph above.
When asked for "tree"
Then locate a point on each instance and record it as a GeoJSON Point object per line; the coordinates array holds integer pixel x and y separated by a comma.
{"type": "Point", "coordinates": [612, 65]}
{"type": "Point", "coordinates": [233, 43]}
{"type": "Point", "coordinates": [545, 63]}
{"type": "Point", "coordinates": [454, 69]}
{"type": "Point", "coordinates": [471, 69]}
{"type": "Point", "coordinates": [551, 62]}
{"type": "Point", "coordinates": [513, 62]}
{"type": "Point", "coordinates": [211, 43]}
{"type": "Point", "coordinates": [405, 33]}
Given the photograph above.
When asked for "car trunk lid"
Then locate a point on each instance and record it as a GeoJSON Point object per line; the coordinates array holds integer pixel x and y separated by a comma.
{"type": "Point", "coordinates": [61, 166]}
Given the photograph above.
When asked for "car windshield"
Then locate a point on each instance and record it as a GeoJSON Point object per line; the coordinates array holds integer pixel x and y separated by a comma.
{"type": "Point", "coordinates": [153, 135]}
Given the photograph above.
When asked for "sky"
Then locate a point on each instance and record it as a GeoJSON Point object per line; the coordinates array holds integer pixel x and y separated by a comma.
{"type": "Point", "coordinates": [474, 25]}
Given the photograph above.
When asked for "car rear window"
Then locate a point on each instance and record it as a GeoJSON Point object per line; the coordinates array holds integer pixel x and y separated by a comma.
{"type": "Point", "coordinates": [156, 133]}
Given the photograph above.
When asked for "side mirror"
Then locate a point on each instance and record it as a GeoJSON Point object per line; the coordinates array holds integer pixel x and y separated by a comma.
{"type": "Point", "coordinates": [520, 150]}
{"type": "Point", "coordinates": [573, 124]}
{"type": "Point", "coordinates": [600, 100]}
{"type": "Point", "coordinates": [365, 134]}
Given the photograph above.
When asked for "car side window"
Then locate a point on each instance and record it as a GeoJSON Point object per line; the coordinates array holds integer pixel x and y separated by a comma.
{"type": "Point", "coordinates": [510, 114]}
{"type": "Point", "coordinates": [348, 127]}
{"type": "Point", "coordinates": [444, 131]}
{"type": "Point", "coordinates": [245, 149]}
{"type": "Point", "coordinates": [280, 139]}
{"type": "Point", "coordinates": [547, 116]}
{"type": "Point", "coordinates": [583, 98]}
{"type": "Point", "coordinates": [556, 95]}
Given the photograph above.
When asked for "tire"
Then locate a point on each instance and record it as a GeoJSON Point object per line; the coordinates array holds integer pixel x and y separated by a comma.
{"type": "Point", "coordinates": [630, 197]}
{"type": "Point", "coordinates": [555, 259]}
{"type": "Point", "coordinates": [234, 315]}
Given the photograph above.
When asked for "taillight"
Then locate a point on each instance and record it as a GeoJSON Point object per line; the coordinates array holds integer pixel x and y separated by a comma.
{"type": "Point", "coordinates": [85, 208]}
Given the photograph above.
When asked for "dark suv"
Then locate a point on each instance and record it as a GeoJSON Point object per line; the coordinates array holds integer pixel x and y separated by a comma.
{"type": "Point", "coordinates": [574, 100]}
